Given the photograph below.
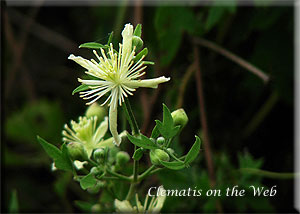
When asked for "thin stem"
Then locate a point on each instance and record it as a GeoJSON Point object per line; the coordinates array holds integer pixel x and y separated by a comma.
{"type": "Point", "coordinates": [146, 173]}
{"type": "Point", "coordinates": [173, 156]}
{"type": "Point", "coordinates": [130, 117]}
{"type": "Point", "coordinates": [123, 177]}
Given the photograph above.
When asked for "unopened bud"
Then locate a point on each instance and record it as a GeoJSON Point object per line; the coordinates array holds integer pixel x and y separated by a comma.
{"type": "Point", "coordinates": [99, 155]}
{"type": "Point", "coordinates": [77, 151]}
{"type": "Point", "coordinates": [122, 158]}
{"type": "Point", "coordinates": [158, 155]}
{"type": "Point", "coordinates": [179, 117]}
{"type": "Point", "coordinates": [160, 140]}
{"type": "Point", "coordinates": [96, 110]}
{"type": "Point", "coordinates": [137, 42]}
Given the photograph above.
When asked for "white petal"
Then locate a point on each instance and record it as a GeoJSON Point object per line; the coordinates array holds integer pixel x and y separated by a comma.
{"type": "Point", "coordinates": [113, 119]}
{"type": "Point", "coordinates": [148, 83]}
{"type": "Point", "coordinates": [84, 63]}
{"type": "Point", "coordinates": [101, 130]}
{"type": "Point", "coordinates": [123, 206]}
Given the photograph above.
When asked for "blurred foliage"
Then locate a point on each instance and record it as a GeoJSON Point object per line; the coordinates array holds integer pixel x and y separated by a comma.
{"type": "Point", "coordinates": [262, 35]}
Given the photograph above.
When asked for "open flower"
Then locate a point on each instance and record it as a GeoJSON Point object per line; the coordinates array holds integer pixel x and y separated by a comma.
{"type": "Point", "coordinates": [116, 73]}
{"type": "Point", "coordinates": [86, 133]}
{"type": "Point", "coordinates": [154, 206]}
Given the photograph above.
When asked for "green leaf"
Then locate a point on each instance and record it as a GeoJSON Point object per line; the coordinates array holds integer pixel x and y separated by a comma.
{"type": "Point", "coordinates": [142, 141]}
{"type": "Point", "coordinates": [80, 88]}
{"type": "Point", "coordinates": [84, 206]}
{"type": "Point", "coordinates": [51, 150]}
{"type": "Point", "coordinates": [110, 38]}
{"type": "Point", "coordinates": [141, 54]}
{"type": "Point", "coordinates": [215, 14]}
{"type": "Point", "coordinates": [155, 132]}
{"type": "Point", "coordinates": [167, 132]}
{"type": "Point", "coordinates": [66, 158]}
{"type": "Point", "coordinates": [192, 154]}
{"type": "Point", "coordinates": [167, 117]}
{"type": "Point", "coordinates": [138, 30]}
{"type": "Point", "coordinates": [92, 45]}
{"type": "Point", "coordinates": [138, 154]}
{"type": "Point", "coordinates": [88, 181]}
{"type": "Point", "coordinates": [13, 203]}
{"type": "Point", "coordinates": [175, 165]}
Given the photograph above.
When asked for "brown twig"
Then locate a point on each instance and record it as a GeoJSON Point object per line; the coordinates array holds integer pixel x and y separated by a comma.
{"type": "Point", "coordinates": [187, 76]}
{"type": "Point", "coordinates": [18, 47]}
{"type": "Point", "coordinates": [44, 33]}
{"type": "Point", "coordinates": [243, 63]}
{"type": "Point", "coordinates": [206, 140]}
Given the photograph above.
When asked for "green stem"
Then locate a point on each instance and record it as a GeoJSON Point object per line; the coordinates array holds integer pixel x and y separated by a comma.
{"type": "Point", "coordinates": [172, 155]}
{"type": "Point", "coordinates": [135, 131]}
{"type": "Point", "coordinates": [146, 173]}
{"type": "Point", "coordinates": [123, 177]}
{"type": "Point", "coordinates": [130, 117]}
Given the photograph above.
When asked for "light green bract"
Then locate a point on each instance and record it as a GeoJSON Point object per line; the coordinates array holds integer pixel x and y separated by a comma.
{"type": "Point", "coordinates": [117, 74]}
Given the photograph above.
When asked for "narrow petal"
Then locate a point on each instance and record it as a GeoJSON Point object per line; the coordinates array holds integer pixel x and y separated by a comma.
{"type": "Point", "coordinates": [149, 83]}
{"type": "Point", "coordinates": [113, 117]}
{"type": "Point", "coordinates": [101, 130]}
{"type": "Point", "coordinates": [84, 63]}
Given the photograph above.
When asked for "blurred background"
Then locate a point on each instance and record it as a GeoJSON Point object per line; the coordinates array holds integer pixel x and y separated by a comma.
{"type": "Point", "coordinates": [231, 69]}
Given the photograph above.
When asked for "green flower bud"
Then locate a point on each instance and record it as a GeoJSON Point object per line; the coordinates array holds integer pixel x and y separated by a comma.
{"type": "Point", "coordinates": [160, 140]}
{"type": "Point", "coordinates": [77, 151]}
{"type": "Point", "coordinates": [179, 117]}
{"type": "Point", "coordinates": [170, 150]}
{"type": "Point", "coordinates": [138, 42]}
{"type": "Point", "coordinates": [96, 110]}
{"type": "Point", "coordinates": [95, 170]}
{"type": "Point", "coordinates": [158, 155]}
{"type": "Point", "coordinates": [99, 155]}
{"type": "Point", "coordinates": [122, 158]}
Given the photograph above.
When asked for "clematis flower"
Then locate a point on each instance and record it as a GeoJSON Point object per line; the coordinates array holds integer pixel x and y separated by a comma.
{"type": "Point", "coordinates": [88, 134]}
{"type": "Point", "coordinates": [116, 74]}
{"type": "Point", "coordinates": [154, 206]}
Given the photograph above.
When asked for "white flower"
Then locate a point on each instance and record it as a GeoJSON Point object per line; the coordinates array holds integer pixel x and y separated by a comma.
{"type": "Point", "coordinates": [154, 206]}
{"type": "Point", "coordinates": [86, 133]}
{"type": "Point", "coordinates": [117, 74]}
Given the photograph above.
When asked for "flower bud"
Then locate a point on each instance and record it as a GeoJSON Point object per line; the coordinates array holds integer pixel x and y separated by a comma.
{"type": "Point", "coordinates": [99, 155]}
{"type": "Point", "coordinates": [170, 150]}
{"type": "Point", "coordinates": [94, 170]}
{"type": "Point", "coordinates": [122, 158]}
{"type": "Point", "coordinates": [77, 151]}
{"type": "Point", "coordinates": [160, 140]}
{"type": "Point", "coordinates": [137, 42]}
{"type": "Point", "coordinates": [158, 155]}
{"type": "Point", "coordinates": [179, 117]}
{"type": "Point", "coordinates": [96, 110]}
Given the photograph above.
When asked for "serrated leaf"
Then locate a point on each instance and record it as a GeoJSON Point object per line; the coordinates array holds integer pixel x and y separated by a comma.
{"type": "Point", "coordinates": [142, 53]}
{"type": "Point", "coordinates": [155, 132]}
{"type": "Point", "coordinates": [88, 181]}
{"type": "Point", "coordinates": [138, 30]}
{"type": "Point", "coordinates": [138, 154]}
{"type": "Point", "coordinates": [167, 132]}
{"type": "Point", "coordinates": [92, 45]}
{"type": "Point", "coordinates": [110, 38]}
{"type": "Point", "coordinates": [80, 88]}
{"type": "Point", "coordinates": [192, 154]}
{"type": "Point", "coordinates": [50, 149]}
{"type": "Point", "coordinates": [142, 141]}
{"type": "Point", "coordinates": [175, 165]}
